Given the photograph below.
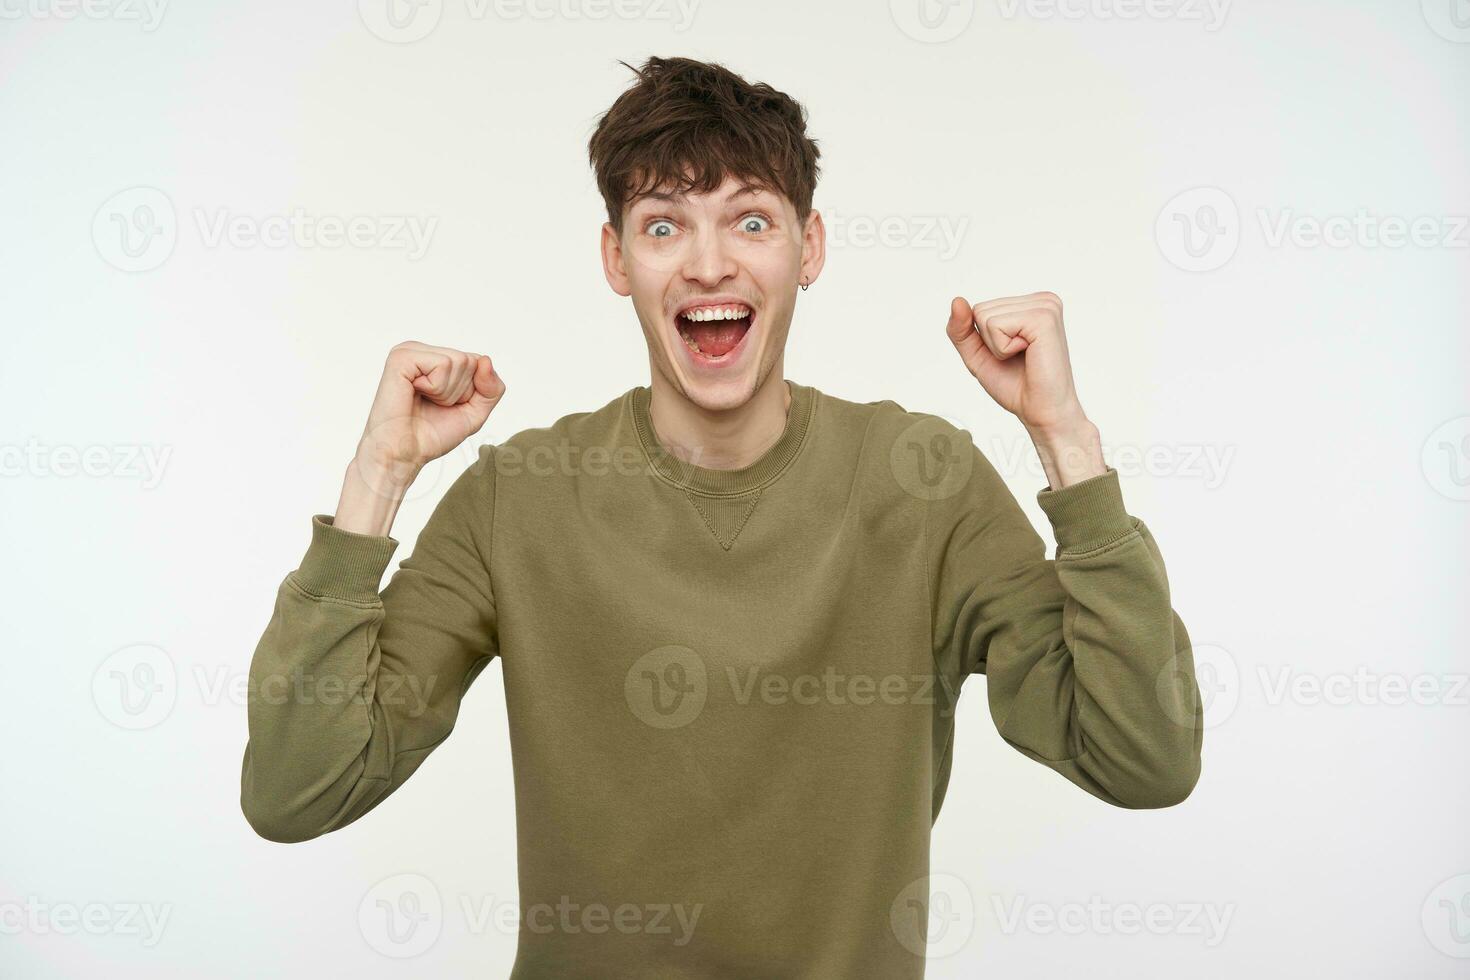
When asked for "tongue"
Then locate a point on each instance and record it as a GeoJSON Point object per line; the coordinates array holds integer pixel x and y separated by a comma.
{"type": "Point", "coordinates": [718, 337]}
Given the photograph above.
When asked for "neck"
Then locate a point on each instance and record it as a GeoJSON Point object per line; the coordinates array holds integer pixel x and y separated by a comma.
{"type": "Point", "coordinates": [720, 440]}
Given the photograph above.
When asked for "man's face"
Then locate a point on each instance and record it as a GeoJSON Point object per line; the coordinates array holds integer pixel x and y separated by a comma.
{"type": "Point", "coordinates": [714, 279]}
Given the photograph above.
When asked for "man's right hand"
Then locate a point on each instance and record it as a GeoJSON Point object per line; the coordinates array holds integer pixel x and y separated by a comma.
{"type": "Point", "coordinates": [429, 400]}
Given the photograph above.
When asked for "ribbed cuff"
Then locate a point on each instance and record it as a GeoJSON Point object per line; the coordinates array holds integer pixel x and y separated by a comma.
{"type": "Point", "coordinates": [344, 563]}
{"type": "Point", "coordinates": [1088, 514]}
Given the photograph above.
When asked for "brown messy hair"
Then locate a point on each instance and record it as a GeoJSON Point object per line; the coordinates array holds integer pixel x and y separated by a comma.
{"type": "Point", "coordinates": [685, 125]}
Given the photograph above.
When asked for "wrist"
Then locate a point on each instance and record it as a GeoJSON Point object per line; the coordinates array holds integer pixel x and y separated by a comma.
{"type": "Point", "coordinates": [1068, 425]}
{"type": "Point", "coordinates": [370, 498]}
{"type": "Point", "coordinates": [384, 476]}
{"type": "Point", "coordinates": [1070, 450]}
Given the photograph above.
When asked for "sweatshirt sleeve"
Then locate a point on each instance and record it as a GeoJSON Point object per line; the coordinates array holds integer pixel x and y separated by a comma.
{"type": "Point", "coordinates": [350, 689]}
{"type": "Point", "coordinates": [1088, 667]}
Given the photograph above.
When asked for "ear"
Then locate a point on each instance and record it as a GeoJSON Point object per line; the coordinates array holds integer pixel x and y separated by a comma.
{"type": "Point", "coordinates": [612, 261]}
{"type": "Point", "coordinates": [813, 247]}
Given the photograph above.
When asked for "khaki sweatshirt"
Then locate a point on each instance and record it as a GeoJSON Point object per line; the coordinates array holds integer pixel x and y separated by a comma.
{"type": "Point", "coordinates": [731, 693]}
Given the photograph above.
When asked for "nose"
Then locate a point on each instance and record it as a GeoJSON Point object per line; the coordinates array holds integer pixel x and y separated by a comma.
{"type": "Point", "coordinates": [710, 260]}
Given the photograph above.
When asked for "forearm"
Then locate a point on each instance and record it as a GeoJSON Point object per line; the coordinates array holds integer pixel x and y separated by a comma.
{"type": "Point", "coordinates": [1089, 668]}
{"type": "Point", "coordinates": [352, 685]}
{"type": "Point", "coordinates": [371, 495]}
{"type": "Point", "coordinates": [1137, 702]}
{"type": "Point", "coordinates": [312, 684]}
{"type": "Point", "coordinates": [1070, 451]}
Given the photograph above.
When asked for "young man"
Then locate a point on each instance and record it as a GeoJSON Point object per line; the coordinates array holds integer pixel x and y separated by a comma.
{"type": "Point", "coordinates": [733, 613]}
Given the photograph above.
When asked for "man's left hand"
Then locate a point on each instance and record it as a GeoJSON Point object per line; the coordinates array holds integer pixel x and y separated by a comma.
{"type": "Point", "coordinates": [1016, 348]}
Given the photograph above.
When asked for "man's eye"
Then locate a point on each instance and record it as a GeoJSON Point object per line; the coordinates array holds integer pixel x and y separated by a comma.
{"type": "Point", "coordinates": [659, 228]}
{"type": "Point", "coordinates": [755, 223]}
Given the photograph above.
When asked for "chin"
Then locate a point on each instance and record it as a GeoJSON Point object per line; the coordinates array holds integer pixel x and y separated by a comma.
{"type": "Point", "coordinates": [722, 397]}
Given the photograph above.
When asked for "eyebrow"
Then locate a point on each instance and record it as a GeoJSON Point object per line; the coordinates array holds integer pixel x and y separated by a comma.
{"type": "Point", "coordinates": [745, 190]}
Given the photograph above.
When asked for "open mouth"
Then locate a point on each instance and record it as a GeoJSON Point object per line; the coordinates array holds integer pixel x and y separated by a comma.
{"type": "Point", "coordinates": [714, 332]}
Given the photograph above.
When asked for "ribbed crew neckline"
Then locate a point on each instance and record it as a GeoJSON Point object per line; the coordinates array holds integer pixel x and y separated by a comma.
{"type": "Point", "coordinates": [717, 482]}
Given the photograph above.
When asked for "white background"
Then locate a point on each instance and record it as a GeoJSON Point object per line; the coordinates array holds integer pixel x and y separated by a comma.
{"type": "Point", "coordinates": [1323, 546]}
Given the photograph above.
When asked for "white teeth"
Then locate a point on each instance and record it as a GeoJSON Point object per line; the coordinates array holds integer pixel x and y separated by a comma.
{"type": "Point", "coordinates": [705, 314]}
